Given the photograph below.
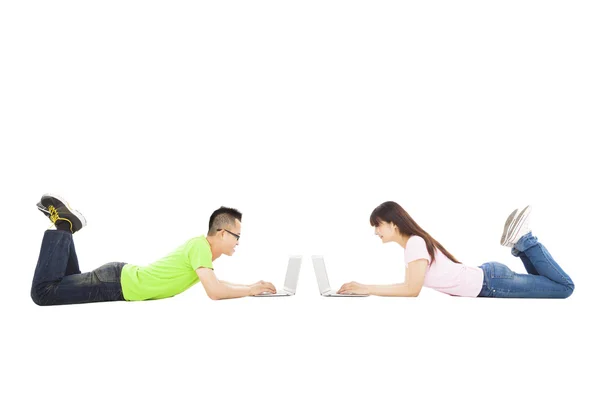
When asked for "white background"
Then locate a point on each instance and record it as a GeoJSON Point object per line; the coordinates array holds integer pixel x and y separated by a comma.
{"type": "Point", "coordinates": [148, 115]}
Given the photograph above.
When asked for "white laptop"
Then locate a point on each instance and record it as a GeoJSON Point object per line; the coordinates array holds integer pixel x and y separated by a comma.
{"type": "Point", "coordinates": [291, 279]}
{"type": "Point", "coordinates": [323, 281]}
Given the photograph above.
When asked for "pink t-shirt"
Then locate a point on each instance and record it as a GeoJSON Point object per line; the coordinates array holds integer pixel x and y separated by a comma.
{"type": "Point", "coordinates": [443, 274]}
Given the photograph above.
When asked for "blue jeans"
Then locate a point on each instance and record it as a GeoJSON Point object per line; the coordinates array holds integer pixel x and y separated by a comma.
{"type": "Point", "coordinates": [58, 280]}
{"type": "Point", "coordinates": [544, 278]}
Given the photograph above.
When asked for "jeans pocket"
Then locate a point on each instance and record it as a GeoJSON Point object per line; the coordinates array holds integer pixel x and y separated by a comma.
{"type": "Point", "coordinates": [108, 273]}
{"type": "Point", "coordinates": [501, 271]}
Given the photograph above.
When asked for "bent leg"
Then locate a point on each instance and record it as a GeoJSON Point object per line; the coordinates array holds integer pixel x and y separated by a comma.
{"type": "Point", "coordinates": [540, 260]}
{"type": "Point", "coordinates": [500, 281]}
{"type": "Point", "coordinates": [526, 261]}
{"type": "Point", "coordinates": [101, 284]}
{"type": "Point", "coordinates": [57, 279]}
{"type": "Point", "coordinates": [54, 257]}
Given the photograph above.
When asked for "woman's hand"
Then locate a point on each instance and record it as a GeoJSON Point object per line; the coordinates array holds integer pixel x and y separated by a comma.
{"type": "Point", "coordinates": [354, 288]}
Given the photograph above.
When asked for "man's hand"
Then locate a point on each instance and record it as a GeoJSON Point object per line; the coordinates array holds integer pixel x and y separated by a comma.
{"type": "Point", "coordinates": [261, 287]}
{"type": "Point", "coordinates": [353, 288]}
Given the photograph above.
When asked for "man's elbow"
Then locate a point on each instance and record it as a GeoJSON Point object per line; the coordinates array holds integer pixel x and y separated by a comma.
{"type": "Point", "coordinates": [214, 295]}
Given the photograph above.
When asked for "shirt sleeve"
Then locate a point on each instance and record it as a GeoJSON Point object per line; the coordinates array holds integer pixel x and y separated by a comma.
{"type": "Point", "coordinates": [199, 254]}
{"type": "Point", "coordinates": [416, 249]}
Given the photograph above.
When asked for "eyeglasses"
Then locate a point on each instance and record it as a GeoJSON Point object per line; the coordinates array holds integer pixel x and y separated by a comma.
{"type": "Point", "coordinates": [231, 233]}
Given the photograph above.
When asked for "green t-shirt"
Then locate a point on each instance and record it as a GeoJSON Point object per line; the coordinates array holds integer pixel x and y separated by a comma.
{"type": "Point", "coordinates": [168, 276]}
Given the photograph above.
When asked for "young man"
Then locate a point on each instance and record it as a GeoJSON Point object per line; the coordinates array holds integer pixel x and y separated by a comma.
{"type": "Point", "coordinates": [58, 280]}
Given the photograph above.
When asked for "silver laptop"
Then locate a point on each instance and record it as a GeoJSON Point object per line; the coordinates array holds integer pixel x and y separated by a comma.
{"type": "Point", "coordinates": [323, 281]}
{"type": "Point", "coordinates": [291, 279]}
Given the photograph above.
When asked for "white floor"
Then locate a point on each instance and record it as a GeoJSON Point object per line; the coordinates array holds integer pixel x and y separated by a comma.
{"type": "Point", "coordinates": [189, 346]}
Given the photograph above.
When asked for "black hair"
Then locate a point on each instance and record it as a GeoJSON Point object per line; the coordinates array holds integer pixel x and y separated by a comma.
{"type": "Point", "coordinates": [223, 218]}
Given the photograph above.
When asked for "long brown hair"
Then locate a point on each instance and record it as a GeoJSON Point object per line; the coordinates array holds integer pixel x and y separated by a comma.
{"type": "Point", "coordinates": [392, 212]}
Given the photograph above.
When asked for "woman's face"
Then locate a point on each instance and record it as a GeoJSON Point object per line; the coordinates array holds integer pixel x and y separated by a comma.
{"type": "Point", "coordinates": [385, 231]}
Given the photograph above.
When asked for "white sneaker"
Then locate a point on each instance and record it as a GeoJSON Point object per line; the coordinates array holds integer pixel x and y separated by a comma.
{"type": "Point", "coordinates": [507, 225]}
{"type": "Point", "coordinates": [515, 227]}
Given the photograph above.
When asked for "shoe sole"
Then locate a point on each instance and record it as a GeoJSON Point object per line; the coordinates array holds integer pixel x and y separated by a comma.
{"type": "Point", "coordinates": [76, 213]}
{"type": "Point", "coordinates": [42, 208]}
{"type": "Point", "coordinates": [507, 225]}
{"type": "Point", "coordinates": [520, 220]}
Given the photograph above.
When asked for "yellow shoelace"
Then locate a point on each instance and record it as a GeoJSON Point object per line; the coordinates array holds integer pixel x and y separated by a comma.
{"type": "Point", "coordinates": [55, 217]}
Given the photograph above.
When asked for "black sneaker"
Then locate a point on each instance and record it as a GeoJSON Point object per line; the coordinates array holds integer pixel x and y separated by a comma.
{"type": "Point", "coordinates": [57, 209]}
{"type": "Point", "coordinates": [43, 209]}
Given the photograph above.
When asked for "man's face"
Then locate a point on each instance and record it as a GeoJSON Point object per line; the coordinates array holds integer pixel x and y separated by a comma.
{"type": "Point", "coordinates": [230, 238]}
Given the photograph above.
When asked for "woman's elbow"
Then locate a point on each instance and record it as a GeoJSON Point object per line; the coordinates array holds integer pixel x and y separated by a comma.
{"type": "Point", "coordinates": [414, 291]}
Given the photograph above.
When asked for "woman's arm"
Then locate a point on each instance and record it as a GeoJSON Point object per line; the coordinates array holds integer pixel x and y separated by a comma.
{"type": "Point", "coordinates": [413, 282]}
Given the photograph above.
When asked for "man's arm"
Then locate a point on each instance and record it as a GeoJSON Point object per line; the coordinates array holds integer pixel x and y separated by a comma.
{"type": "Point", "coordinates": [239, 284]}
{"type": "Point", "coordinates": [219, 290]}
{"type": "Point", "coordinates": [234, 284]}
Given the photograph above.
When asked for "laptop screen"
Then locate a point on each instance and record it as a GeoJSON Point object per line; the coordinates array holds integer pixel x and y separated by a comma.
{"type": "Point", "coordinates": [321, 273]}
{"type": "Point", "coordinates": [292, 274]}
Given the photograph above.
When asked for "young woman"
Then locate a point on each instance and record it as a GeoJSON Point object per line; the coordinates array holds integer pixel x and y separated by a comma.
{"type": "Point", "coordinates": [429, 264]}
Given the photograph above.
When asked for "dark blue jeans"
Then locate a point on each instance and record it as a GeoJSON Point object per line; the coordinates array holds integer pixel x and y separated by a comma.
{"type": "Point", "coordinates": [544, 278]}
{"type": "Point", "coordinates": [58, 280]}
